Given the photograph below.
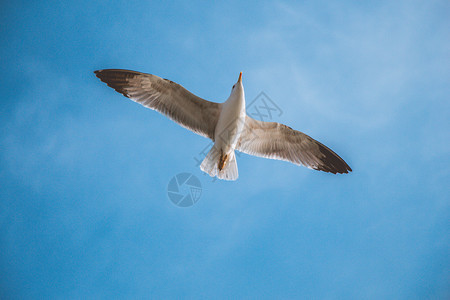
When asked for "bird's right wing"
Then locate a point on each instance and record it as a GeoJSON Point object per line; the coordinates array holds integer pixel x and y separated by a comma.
{"type": "Point", "coordinates": [278, 141]}
{"type": "Point", "coordinates": [166, 97]}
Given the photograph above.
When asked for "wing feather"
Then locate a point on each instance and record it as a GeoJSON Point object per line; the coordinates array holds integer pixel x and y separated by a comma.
{"type": "Point", "coordinates": [166, 97]}
{"type": "Point", "coordinates": [277, 141]}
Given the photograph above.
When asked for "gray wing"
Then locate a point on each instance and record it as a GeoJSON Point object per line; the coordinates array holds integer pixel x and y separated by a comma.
{"type": "Point", "coordinates": [166, 97]}
{"type": "Point", "coordinates": [278, 141]}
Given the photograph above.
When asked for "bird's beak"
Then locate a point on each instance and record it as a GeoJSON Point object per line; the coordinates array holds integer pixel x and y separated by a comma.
{"type": "Point", "coordinates": [240, 77]}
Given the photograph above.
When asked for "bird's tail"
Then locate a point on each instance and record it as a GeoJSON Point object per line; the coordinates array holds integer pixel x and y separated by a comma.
{"type": "Point", "coordinates": [224, 166]}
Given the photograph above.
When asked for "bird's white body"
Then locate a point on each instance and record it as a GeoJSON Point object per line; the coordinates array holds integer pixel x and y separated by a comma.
{"type": "Point", "coordinates": [231, 121]}
{"type": "Point", "coordinates": [221, 160]}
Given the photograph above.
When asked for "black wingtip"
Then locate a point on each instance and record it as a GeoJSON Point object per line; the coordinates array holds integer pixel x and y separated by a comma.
{"type": "Point", "coordinates": [115, 78]}
{"type": "Point", "coordinates": [97, 73]}
{"type": "Point", "coordinates": [332, 163]}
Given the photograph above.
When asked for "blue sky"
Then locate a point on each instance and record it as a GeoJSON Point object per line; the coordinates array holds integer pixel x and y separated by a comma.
{"type": "Point", "coordinates": [84, 171]}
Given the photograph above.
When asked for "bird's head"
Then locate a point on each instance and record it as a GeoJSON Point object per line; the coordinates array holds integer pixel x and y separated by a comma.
{"type": "Point", "coordinates": [238, 87]}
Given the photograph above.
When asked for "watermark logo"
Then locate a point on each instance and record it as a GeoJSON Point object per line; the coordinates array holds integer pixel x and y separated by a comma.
{"type": "Point", "coordinates": [184, 189]}
{"type": "Point", "coordinates": [262, 108]}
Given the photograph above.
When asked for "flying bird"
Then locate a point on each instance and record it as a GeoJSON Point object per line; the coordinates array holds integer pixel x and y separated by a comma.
{"type": "Point", "coordinates": [226, 124]}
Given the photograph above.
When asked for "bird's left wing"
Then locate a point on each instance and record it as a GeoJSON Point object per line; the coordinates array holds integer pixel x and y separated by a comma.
{"type": "Point", "coordinates": [166, 97]}
{"type": "Point", "coordinates": [278, 141]}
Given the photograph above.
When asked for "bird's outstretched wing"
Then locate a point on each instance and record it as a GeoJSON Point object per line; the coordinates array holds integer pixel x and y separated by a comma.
{"type": "Point", "coordinates": [278, 141]}
{"type": "Point", "coordinates": [166, 97]}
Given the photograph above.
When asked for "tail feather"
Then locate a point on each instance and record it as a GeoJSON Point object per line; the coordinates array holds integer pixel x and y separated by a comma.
{"type": "Point", "coordinates": [224, 166]}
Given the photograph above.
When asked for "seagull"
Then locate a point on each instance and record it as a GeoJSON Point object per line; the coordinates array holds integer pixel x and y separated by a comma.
{"type": "Point", "coordinates": [226, 124]}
